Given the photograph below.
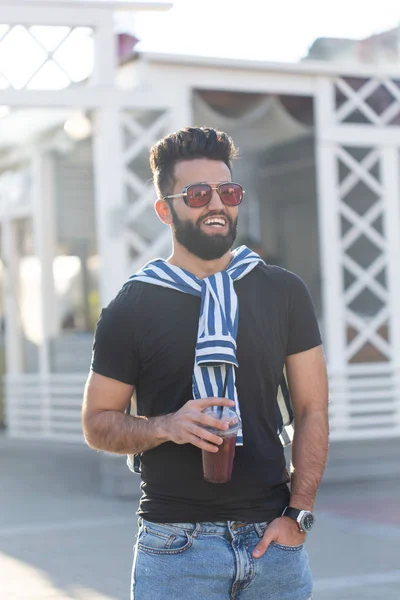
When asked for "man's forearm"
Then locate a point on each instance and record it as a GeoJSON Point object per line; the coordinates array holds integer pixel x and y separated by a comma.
{"type": "Point", "coordinates": [309, 454]}
{"type": "Point", "coordinates": [117, 432]}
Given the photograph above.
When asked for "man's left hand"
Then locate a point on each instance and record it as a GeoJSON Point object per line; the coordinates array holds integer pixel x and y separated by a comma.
{"type": "Point", "coordinates": [284, 531]}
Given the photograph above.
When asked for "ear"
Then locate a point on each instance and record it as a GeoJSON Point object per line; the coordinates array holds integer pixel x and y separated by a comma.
{"type": "Point", "coordinates": [163, 211]}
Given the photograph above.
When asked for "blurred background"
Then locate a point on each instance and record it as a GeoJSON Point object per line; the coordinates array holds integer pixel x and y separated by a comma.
{"type": "Point", "coordinates": [310, 92]}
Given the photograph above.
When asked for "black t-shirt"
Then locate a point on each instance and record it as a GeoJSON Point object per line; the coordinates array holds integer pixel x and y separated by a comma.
{"type": "Point", "coordinates": [147, 336]}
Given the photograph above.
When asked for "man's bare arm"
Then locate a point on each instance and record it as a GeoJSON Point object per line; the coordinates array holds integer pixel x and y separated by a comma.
{"type": "Point", "coordinates": [308, 386]}
{"type": "Point", "coordinates": [107, 427]}
{"type": "Point", "coordinates": [309, 393]}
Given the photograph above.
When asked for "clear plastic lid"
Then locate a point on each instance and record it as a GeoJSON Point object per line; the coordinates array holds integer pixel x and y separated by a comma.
{"type": "Point", "coordinates": [228, 416]}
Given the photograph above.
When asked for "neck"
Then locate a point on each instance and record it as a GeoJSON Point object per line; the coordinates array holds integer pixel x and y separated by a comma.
{"type": "Point", "coordinates": [182, 258]}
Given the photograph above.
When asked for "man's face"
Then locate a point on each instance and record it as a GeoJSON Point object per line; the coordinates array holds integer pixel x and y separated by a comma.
{"type": "Point", "coordinates": [208, 242]}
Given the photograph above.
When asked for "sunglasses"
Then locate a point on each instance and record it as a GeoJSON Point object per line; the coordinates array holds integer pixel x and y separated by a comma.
{"type": "Point", "coordinates": [197, 195]}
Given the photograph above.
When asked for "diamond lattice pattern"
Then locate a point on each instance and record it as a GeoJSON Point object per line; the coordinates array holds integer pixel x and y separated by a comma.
{"type": "Point", "coordinates": [45, 57]}
{"type": "Point", "coordinates": [147, 238]}
{"type": "Point", "coordinates": [364, 253]}
{"type": "Point", "coordinates": [368, 101]}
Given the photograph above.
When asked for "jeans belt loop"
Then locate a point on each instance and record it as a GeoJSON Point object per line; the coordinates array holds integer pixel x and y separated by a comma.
{"type": "Point", "coordinates": [238, 525]}
{"type": "Point", "coordinates": [196, 530]}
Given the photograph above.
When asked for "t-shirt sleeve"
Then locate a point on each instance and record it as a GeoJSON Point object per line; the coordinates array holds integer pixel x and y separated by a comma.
{"type": "Point", "coordinates": [114, 347]}
{"type": "Point", "coordinates": [303, 329]}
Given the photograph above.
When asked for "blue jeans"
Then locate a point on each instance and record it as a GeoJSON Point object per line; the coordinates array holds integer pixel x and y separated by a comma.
{"type": "Point", "coordinates": [212, 561]}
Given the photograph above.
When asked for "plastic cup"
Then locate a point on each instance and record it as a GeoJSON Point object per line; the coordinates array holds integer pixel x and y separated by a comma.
{"type": "Point", "coordinates": [217, 466]}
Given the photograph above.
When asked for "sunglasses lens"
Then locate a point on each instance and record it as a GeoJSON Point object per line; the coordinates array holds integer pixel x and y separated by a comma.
{"type": "Point", "coordinates": [198, 195]}
{"type": "Point", "coordinates": [231, 193]}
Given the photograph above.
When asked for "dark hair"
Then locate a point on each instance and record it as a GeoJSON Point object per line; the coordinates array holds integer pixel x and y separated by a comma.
{"type": "Point", "coordinates": [188, 144]}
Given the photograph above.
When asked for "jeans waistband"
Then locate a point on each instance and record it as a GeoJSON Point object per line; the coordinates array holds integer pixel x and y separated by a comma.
{"type": "Point", "coordinates": [216, 527]}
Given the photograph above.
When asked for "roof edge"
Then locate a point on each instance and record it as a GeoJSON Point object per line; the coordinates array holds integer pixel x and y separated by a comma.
{"type": "Point", "coordinates": [116, 5]}
{"type": "Point", "coordinates": [309, 67]}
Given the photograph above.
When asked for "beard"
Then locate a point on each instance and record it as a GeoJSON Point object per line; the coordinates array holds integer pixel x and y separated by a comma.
{"type": "Point", "coordinates": [206, 247]}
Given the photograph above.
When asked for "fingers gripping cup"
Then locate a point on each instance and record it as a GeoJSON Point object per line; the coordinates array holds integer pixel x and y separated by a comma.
{"type": "Point", "coordinates": [217, 466]}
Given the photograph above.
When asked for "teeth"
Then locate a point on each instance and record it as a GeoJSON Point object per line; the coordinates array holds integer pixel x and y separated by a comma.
{"type": "Point", "coordinates": [214, 221]}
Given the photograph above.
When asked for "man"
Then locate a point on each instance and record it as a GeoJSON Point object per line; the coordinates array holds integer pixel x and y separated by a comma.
{"type": "Point", "coordinates": [198, 539]}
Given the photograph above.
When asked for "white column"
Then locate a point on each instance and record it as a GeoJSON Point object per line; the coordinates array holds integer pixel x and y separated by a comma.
{"type": "Point", "coordinates": [110, 203]}
{"type": "Point", "coordinates": [334, 321]}
{"type": "Point", "coordinates": [13, 332]}
{"type": "Point", "coordinates": [45, 249]}
{"type": "Point", "coordinates": [108, 169]}
{"type": "Point", "coordinates": [105, 52]}
{"type": "Point", "coordinates": [182, 109]}
{"type": "Point", "coordinates": [44, 232]}
{"type": "Point", "coordinates": [329, 231]}
{"type": "Point", "coordinates": [391, 180]}
{"type": "Point", "coordinates": [44, 243]}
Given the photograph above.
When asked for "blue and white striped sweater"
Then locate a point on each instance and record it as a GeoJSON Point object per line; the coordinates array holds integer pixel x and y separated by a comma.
{"type": "Point", "coordinates": [215, 355]}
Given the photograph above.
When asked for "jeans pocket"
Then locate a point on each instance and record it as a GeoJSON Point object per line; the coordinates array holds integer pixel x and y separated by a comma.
{"type": "Point", "coordinates": [155, 539]}
{"type": "Point", "coordinates": [287, 548]}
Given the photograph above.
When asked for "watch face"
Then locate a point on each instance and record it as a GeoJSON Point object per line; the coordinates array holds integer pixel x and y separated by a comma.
{"type": "Point", "coordinates": [307, 521]}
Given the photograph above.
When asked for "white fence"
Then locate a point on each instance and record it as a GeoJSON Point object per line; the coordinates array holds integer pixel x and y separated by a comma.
{"type": "Point", "coordinates": [364, 405]}
{"type": "Point", "coordinates": [45, 408]}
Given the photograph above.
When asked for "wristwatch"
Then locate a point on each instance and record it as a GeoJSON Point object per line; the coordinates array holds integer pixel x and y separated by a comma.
{"type": "Point", "coordinates": [305, 519]}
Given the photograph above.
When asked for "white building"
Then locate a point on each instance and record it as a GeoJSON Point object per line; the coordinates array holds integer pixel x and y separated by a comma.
{"type": "Point", "coordinates": [320, 149]}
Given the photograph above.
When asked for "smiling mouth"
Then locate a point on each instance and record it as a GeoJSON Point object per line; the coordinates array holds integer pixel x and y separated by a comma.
{"type": "Point", "coordinates": [215, 222]}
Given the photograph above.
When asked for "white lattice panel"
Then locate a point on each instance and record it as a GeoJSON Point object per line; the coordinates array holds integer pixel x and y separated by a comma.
{"type": "Point", "coordinates": [374, 101]}
{"type": "Point", "coordinates": [365, 254]}
{"type": "Point", "coordinates": [359, 175]}
{"type": "Point", "coordinates": [53, 57]}
{"type": "Point", "coordinates": [145, 235]}
{"type": "Point", "coordinates": [64, 54]}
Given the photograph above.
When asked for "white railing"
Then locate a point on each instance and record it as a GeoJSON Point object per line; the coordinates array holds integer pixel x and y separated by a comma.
{"type": "Point", "coordinates": [45, 408]}
{"type": "Point", "coordinates": [365, 404]}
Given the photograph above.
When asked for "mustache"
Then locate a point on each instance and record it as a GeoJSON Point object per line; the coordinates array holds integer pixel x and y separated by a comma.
{"type": "Point", "coordinates": [214, 213]}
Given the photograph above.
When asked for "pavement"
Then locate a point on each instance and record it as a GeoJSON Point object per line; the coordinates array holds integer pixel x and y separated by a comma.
{"type": "Point", "coordinates": [61, 538]}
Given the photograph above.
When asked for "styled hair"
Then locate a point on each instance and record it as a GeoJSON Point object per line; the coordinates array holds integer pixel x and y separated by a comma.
{"type": "Point", "coordinates": [188, 144]}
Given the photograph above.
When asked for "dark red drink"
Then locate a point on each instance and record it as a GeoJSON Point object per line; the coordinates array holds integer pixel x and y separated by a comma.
{"type": "Point", "coordinates": [217, 466]}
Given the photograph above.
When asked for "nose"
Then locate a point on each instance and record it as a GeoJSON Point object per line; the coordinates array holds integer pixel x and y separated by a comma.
{"type": "Point", "coordinates": [216, 202]}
